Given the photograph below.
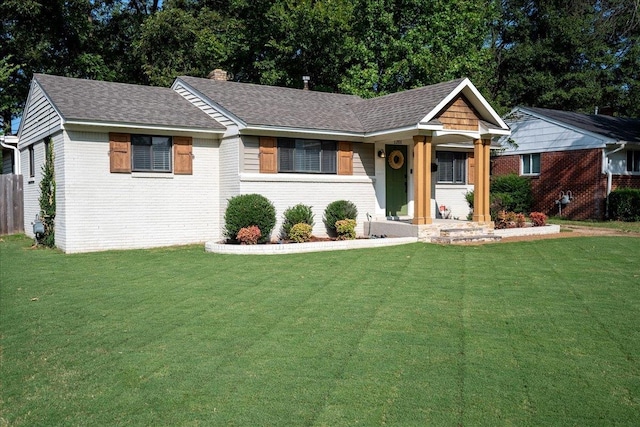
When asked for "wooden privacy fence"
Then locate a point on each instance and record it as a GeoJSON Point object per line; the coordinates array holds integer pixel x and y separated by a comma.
{"type": "Point", "coordinates": [11, 204]}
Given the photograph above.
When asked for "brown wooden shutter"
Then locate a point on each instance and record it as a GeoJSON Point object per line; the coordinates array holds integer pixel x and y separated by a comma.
{"type": "Point", "coordinates": [182, 155]}
{"type": "Point", "coordinates": [345, 158]}
{"type": "Point", "coordinates": [471, 168]}
{"type": "Point", "coordinates": [268, 155]}
{"type": "Point", "coordinates": [120, 152]}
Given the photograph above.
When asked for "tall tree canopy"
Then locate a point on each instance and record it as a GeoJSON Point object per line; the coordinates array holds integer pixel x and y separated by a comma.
{"type": "Point", "coordinates": [575, 55]}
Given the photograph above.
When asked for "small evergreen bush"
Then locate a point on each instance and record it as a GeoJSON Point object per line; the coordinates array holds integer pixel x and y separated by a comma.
{"type": "Point", "coordinates": [246, 210]}
{"type": "Point", "coordinates": [514, 191]}
{"type": "Point", "coordinates": [298, 214]}
{"type": "Point", "coordinates": [624, 204]}
{"type": "Point", "coordinates": [335, 211]}
{"type": "Point", "coordinates": [346, 229]}
{"type": "Point", "coordinates": [300, 232]}
{"type": "Point", "coordinates": [48, 198]}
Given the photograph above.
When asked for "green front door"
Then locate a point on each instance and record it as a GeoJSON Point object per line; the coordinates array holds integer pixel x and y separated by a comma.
{"type": "Point", "coordinates": [396, 180]}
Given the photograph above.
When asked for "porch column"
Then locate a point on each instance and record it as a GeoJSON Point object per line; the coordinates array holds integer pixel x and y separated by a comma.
{"type": "Point", "coordinates": [481, 203]}
{"type": "Point", "coordinates": [422, 180]}
{"type": "Point", "coordinates": [486, 147]}
{"type": "Point", "coordinates": [479, 186]}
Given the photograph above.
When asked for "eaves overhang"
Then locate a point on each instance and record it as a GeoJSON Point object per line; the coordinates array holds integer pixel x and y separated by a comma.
{"type": "Point", "coordinates": [155, 128]}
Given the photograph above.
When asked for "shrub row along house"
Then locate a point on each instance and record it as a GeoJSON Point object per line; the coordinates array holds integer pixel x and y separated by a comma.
{"type": "Point", "coordinates": [574, 160]}
{"type": "Point", "coordinates": [139, 166]}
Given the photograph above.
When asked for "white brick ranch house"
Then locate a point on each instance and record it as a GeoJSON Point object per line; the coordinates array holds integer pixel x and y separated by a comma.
{"type": "Point", "coordinates": [139, 166]}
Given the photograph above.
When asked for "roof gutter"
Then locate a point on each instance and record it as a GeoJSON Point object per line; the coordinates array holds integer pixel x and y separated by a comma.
{"type": "Point", "coordinates": [16, 157]}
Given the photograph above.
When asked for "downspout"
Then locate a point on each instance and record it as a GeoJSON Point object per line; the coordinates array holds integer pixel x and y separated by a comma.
{"type": "Point", "coordinates": [609, 173]}
{"type": "Point", "coordinates": [16, 157]}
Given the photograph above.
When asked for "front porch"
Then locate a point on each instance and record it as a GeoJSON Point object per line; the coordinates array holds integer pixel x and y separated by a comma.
{"type": "Point", "coordinates": [438, 231]}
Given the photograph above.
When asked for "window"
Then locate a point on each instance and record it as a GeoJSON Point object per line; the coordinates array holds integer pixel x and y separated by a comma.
{"type": "Point", "coordinates": [531, 164]}
{"type": "Point", "coordinates": [451, 167]}
{"type": "Point", "coordinates": [306, 155]}
{"type": "Point", "coordinates": [150, 153]}
{"type": "Point", "coordinates": [633, 161]}
{"type": "Point", "coordinates": [32, 162]}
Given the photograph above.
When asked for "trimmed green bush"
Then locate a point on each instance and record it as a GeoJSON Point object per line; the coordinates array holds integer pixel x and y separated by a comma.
{"type": "Point", "coordinates": [346, 229]}
{"type": "Point", "coordinates": [300, 232]}
{"type": "Point", "coordinates": [298, 214]}
{"type": "Point", "coordinates": [624, 204]}
{"type": "Point", "coordinates": [246, 210]}
{"type": "Point", "coordinates": [514, 191]}
{"type": "Point", "coordinates": [335, 211]}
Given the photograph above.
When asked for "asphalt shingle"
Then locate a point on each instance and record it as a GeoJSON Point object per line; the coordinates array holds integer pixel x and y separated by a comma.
{"type": "Point", "coordinates": [100, 101]}
{"type": "Point", "coordinates": [260, 105]}
{"type": "Point", "coordinates": [618, 128]}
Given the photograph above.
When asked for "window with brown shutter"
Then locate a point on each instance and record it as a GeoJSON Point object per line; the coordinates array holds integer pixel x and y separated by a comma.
{"type": "Point", "coordinates": [120, 152]}
{"type": "Point", "coordinates": [345, 158]}
{"type": "Point", "coordinates": [182, 155]}
{"type": "Point", "coordinates": [471, 165]}
{"type": "Point", "coordinates": [268, 155]}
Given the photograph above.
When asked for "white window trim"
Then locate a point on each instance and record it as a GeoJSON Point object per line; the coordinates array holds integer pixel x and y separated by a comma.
{"type": "Point", "coordinates": [522, 172]}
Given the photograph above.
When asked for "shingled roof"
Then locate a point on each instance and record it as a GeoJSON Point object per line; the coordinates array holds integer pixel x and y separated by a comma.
{"type": "Point", "coordinates": [402, 109]}
{"type": "Point", "coordinates": [108, 102]}
{"type": "Point", "coordinates": [620, 129]}
{"type": "Point", "coordinates": [260, 105]}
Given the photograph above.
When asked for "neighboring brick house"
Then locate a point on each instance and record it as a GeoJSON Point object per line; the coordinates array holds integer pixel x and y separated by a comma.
{"type": "Point", "coordinates": [581, 156]}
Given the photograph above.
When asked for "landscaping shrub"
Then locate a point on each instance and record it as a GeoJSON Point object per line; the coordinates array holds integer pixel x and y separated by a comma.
{"type": "Point", "coordinates": [624, 204]}
{"type": "Point", "coordinates": [246, 210]}
{"type": "Point", "coordinates": [346, 229]}
{"type": "Point", "coordinates": [335, 211]}
{"type": "Point", "coordinates": [248, 235]}
{"type": "Point", "coordinates": [300, 232]}
{"type": "Point", "coordinates": [298, 214]}
{"type": "Point", "coordinates": [509, 219]}
{"type": "Point", "coordinates": [538, 219]}
{"type": "Point", "coordinates": [48, 198]}
{"type": "Point", "coordinates": [514, 191]}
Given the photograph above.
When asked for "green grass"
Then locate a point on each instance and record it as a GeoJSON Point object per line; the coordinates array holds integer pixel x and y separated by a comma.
{"type": "Point", "coordinates": [517, 334]}
{"type": "Point", "coordinates": [629, 227]}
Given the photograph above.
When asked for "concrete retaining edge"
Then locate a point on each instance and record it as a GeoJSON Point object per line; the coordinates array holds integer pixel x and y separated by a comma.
{"type": "Point", "coordinates": [294, 248]}
{"type": "Point", "coordinates": [527, 231]}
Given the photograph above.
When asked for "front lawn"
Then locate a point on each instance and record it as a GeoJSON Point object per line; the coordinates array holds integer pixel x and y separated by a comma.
{"type": "Point", "coordinates": [531, 333]}
{"type": "Point", "coordinates": [628, 227]}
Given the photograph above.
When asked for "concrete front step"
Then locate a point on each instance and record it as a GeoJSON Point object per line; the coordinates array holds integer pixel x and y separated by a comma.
{"type": "Point", "coordinates": [470, 238]}
{"type": "Point", "coordinates": [458, 232]}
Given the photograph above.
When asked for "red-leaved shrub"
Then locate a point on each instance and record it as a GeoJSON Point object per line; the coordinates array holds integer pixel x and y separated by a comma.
{"type": "Point", "coordinates": [249, 235]}
{"type": "Point", "coordinates": [538, 219]}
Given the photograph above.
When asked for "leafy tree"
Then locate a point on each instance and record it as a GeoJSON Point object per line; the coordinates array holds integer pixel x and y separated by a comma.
{"type": "Point", "coordinates": [565, 55]}
{"type": "Point", "coordinates": [401, 44]}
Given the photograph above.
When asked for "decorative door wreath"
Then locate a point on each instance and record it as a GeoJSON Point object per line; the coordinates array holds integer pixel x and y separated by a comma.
{"type": "Point", "coordinates": [396, 159]}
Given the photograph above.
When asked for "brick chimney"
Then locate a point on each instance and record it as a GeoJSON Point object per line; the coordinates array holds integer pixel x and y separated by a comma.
{"type": "Point", "coordinates": [218, 74]}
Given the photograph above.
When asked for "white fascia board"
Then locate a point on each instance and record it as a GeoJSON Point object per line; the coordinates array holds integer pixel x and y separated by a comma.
{"type": "Point", "coordinates": [421, 129]}
{"type": "Point", "coordinates": [605, 139]}
{"type": "Point", "coordinates": [302, 132]}
{"type": "Point", "coordinates": [469, 134]}
{"type": "Point", "coordinates": [472, 93]}
{"type": "Point", "coordinates": [239, 122]}
{"type": "Point", "coordinates": [129, 126]}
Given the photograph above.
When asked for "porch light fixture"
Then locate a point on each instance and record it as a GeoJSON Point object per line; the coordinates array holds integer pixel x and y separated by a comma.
{"type": "Point", "coordinates": [381, 154]}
